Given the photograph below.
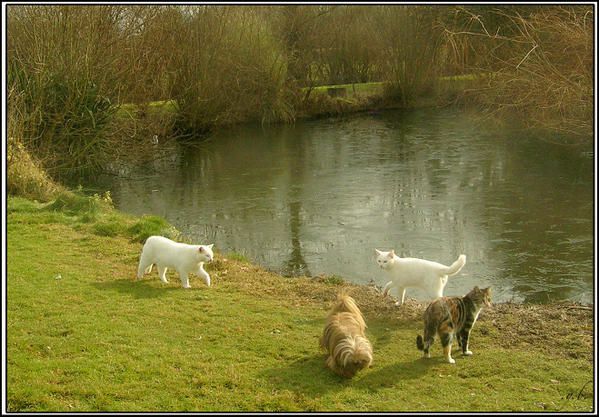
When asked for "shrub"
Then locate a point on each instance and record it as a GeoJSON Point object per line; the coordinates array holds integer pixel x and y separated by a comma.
{"type": "Point", "coordinates": [62, 62]}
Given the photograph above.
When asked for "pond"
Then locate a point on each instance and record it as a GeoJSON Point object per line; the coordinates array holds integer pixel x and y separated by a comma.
{"type": "Point", "coordinates": [319, 196]}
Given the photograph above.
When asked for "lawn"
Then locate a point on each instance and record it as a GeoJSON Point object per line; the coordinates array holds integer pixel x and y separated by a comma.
{"type": "Point", "coordinates": [83, 335]}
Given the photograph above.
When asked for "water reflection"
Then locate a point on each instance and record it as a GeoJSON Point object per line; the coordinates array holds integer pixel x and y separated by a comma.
{"type": "Point", "coordinates": [296, 264]}
{"type": "Point", "coordinates": [318, 197]}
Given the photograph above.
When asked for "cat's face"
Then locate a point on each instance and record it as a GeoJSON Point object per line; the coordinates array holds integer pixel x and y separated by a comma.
{"type": "Point", "coordinates": [205, 253]}
{"type": "Point", "coordinates": [481, 296]}
{"type": "Point", "coordinates": [384, 259]}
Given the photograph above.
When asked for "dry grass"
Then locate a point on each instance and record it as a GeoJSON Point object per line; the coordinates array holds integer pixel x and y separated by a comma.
{"type": "Point", "coordinates": [539, 65]}
{"type": "Point", "coordinates": [25, 175]}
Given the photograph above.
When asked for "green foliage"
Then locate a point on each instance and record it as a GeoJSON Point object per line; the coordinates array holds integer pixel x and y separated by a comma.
{"type": "Point", "coordinates": [75, 203]}
{"type": "Point", "coordinates": [148, 226]}
{"type": "Point", "coordinates": [113, 227]}
{"type": "Point", "coordinates": [94, 214]}
{"type": "Point", "coordinates": [21, 205]}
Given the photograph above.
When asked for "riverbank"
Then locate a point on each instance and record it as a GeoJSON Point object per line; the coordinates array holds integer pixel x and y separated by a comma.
{"type": "Point", "coordinates": [82, 335]}
{"type": "Point", "coordinates": [330, 100]}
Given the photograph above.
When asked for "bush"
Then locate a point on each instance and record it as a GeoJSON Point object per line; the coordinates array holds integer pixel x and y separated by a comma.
{"type": "Point", "coordinates": [61, 61]}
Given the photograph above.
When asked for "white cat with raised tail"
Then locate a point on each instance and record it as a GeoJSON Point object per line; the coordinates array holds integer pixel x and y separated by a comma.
{"type": "Point", "coordinates": [165, 253]}
{"type": "Point", "coordinates": [416, 273]}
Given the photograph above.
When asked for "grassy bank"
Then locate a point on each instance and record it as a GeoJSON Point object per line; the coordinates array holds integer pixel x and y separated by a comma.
{"type": "Point", "coordinates": [328, 100]}
{"type": "Point", "coordinates": [82, 335]}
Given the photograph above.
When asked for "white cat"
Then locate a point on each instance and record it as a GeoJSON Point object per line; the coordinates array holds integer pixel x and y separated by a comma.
{"type": "Point", "coordinates": [413, 272]}
{"type": "Point", "coordinates": [168, 254]}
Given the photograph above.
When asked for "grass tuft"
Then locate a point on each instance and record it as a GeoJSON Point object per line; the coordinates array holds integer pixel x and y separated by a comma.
{"type": "Point", "coordinates": [148, 226]}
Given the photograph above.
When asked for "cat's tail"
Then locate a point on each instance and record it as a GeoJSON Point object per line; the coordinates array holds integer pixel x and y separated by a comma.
{"type": "Point", "coordinates": [455, 267]}
{"type": "Point", "coordinates": [387, 288]}
{"type": "Point", "coordinates": [424, 343]}
{"type": "Point", "coordinates": [419, 342]}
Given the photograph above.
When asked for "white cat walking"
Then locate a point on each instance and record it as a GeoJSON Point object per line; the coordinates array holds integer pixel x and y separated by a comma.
{"type": "Point", "coordinates": [165, 253]}
{"type": "Point", "coordinates": [417, 273]}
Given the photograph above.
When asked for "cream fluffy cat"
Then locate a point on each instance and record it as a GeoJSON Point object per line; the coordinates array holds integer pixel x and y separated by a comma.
{"type": "Point", "coordinates": [419, 273]}
{"type": "Point", "coordinates": [166, 253]}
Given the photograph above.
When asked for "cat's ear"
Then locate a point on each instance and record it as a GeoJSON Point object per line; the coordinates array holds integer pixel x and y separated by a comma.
{"type": "Point", "coordinates": [391, 253]}
{"type": "Point", "coordinates": [476, 288]}
{"type": "Point", "coordinates": [378, 252]}
{"type": "Point", "coordinates": [211, 245]}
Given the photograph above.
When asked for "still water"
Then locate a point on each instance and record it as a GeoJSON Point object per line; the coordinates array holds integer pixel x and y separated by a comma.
{"type": "Point", "coordinates": [318, 197]}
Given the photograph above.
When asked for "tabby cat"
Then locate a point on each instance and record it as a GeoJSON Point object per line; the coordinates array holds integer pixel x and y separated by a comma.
{"type": "Point", "coordinates": [449, 316]}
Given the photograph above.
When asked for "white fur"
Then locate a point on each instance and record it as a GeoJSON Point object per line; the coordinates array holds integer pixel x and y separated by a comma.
{"type": "Point", "coordinates": [184, 258]}
{"type": "Point", "coordinates": [416, 273]}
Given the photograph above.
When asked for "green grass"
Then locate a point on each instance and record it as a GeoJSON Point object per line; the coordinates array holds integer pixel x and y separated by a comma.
{"type": "Point", "coordinates": [153, 108]}
{"type": "Point", "coordinates": [359, 88]}
{"type": "Point", "coordinates": [82, 335]}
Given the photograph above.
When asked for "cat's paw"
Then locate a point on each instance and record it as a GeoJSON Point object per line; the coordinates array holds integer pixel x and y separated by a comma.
{"type": "Point", "coordinates": [450, 360]}
{"type": "Point", "coordinates": [467, 353]}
